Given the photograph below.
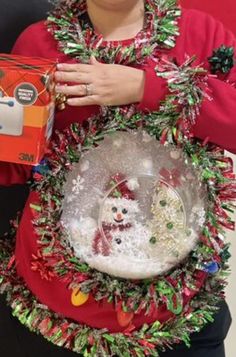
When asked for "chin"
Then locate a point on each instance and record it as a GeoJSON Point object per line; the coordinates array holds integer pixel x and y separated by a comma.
{"type": "Point", "coordinates": [114, 4]}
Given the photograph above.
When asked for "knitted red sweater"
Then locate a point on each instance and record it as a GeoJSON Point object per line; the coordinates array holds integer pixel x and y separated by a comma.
{"type": "Point", "coordinates": [199, 35]}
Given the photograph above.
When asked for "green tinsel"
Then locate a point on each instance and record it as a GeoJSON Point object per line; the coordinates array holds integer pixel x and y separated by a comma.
{"type": "Point", "coordinates": [95, 343]}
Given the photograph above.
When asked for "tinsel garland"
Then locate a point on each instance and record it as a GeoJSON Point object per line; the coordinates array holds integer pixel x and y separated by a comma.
{"type": "Point", "coordinates": [89, 342]}
{"type": "Point", "coordinates": [69, 268]}
{"type": "Point", "coordinates": [76, 37]}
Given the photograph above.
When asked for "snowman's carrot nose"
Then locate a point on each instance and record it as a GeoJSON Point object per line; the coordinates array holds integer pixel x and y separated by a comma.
{"type": "Point", "coordinates": [119, 216]}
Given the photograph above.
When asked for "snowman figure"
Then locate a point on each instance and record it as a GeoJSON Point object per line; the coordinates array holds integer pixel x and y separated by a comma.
{"type": "Point", "coordinates": [120, 230]}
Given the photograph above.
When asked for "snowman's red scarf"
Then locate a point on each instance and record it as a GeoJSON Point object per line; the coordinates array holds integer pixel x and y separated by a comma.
{"type": "Point", "coordinates": [102, 240]}
{"type": "Point", "coordinates": [114, 227]}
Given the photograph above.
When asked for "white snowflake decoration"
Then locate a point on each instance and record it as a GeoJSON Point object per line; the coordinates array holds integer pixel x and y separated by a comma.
{"type": "Point", "coordinates": [78, 185]}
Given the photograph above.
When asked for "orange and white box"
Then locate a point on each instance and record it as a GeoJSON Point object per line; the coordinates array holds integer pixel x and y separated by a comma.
{"type": "Point", "coordinates": [27, 105]}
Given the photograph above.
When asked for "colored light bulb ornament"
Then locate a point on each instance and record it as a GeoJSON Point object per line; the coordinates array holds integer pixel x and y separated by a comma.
{"type": "Point", "coordinates": [124, 318]}
{"type": "Point", "coordinates": [212, 267]}
{"type": "Point", "coordinates": [78, 298]}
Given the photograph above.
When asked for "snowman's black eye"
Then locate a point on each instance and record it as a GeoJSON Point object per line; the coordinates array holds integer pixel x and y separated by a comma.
{"type": "Point", "coordinates": [124, 211]}
{"type": "Point", "coordinates": [114, 209]}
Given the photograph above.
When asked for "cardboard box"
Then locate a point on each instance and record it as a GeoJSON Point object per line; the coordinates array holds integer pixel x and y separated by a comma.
{"type": "Point", "coordinates": [27, 105]}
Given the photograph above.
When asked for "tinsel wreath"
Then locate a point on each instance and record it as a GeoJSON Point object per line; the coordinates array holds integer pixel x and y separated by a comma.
{"type": "Point", "coordinates": [207, 263]}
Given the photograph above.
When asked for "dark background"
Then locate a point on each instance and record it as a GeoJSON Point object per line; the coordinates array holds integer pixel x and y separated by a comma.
{"type": "Point", "coordinates": [16, 15]}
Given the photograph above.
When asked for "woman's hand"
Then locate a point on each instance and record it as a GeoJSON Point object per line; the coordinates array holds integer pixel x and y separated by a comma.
{"type": "Point", "coordinates": [100, 84]}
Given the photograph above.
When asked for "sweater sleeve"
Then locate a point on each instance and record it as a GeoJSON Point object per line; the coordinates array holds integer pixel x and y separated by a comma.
{"type": "Point", "coordinates": [34, 41]}
{"type": "Point", "coordinates": [37, 41]}
{"type": "Point", "coordinates": [200, 34]}
{"type": "Point", "coordinates": [217, 119]}
{"type": "Point", "coordinates": [155, 89]}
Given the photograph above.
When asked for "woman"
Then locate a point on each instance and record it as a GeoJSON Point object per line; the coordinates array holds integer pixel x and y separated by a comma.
{"type": "Point", "coordinates": [108, 79]}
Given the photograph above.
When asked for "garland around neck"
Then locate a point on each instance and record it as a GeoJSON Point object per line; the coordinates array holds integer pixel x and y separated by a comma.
{"type": "Point", "coordinates": [77, 38]}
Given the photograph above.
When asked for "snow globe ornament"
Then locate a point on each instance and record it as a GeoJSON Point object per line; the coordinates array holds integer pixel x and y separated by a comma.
{"type": "Point", "coordinates": [133, 208]}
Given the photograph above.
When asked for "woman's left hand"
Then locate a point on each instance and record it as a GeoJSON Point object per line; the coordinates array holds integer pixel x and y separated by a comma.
{"type": "Point", "coordinates": [100, 84]}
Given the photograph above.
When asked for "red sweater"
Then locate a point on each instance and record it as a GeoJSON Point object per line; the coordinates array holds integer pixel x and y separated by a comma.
{"type": "Point", "coordinates": [199, 34]}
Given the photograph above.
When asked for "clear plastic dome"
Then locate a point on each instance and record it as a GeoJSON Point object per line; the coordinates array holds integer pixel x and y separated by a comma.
{"type": "Point", "coordinates": [133, 208]}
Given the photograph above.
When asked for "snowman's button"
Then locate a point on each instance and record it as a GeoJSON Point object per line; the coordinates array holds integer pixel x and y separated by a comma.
{"type": "Point", "coordinates": [118, 241]}
{"type": "Point", "coordinates": [153, 240]}
{"type": "Point", "coordinates": [170, 225]}
{"type": "Point", "coordinates": [163, 203]}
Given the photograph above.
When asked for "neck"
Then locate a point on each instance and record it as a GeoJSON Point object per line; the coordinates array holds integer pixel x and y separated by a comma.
{"type": "Point", "coordinates": [118, 21]}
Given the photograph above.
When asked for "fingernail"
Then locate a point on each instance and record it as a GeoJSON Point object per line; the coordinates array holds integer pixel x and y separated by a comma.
{"type": "Point", "coordinates": [60, 66]}
{"type": "Point", "coordinates": [70, 101]}
{"type": "Point", "coordinates": [58, 75]}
